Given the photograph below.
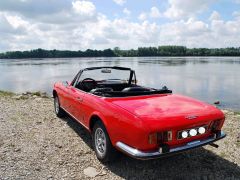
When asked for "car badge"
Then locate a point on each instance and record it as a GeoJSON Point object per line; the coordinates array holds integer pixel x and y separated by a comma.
{"type": "Point", "coordinates": [191, 117]}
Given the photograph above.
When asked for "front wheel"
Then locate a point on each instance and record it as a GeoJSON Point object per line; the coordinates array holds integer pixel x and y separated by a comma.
{"type": "Point", "coordinates": [58, 110]}
{"type": "Point", "coordinates": [102, 145]}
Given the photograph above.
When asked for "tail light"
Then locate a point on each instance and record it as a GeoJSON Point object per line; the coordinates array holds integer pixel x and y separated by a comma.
{"type": "Point", "coordinates": [153, 138]}
{"type": "Point", "coordinates": [159, 138]}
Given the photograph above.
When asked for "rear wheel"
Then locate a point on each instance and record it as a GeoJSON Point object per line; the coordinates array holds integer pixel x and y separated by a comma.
{"type": "Point", "coordinates": [102, 145]}
{"type": "Point", "coordinates": [58, 110]}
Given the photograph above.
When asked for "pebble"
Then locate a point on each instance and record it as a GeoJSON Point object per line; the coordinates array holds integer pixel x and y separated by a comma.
{"type": "Point", "coordinates": [91, 172]}
{"type": "Point", "coordinates": [49, 177]}
{"type": "Point", "coordinates": [17, 150]}
{"type": "Point", "coordinates": [238, 137]}
{"type": "Point", "coordinates": [38, 99]}
{"type": "Point", "coordinates": [58, 146]}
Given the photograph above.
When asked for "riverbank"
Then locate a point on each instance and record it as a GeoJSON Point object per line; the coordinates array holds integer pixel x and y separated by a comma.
{"type": "Point", "coordinates": [35, 144]}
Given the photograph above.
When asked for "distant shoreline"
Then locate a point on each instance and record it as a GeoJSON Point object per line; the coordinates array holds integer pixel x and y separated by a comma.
{"type": "Point", "coordinates": [160, 51]}
{"type": "Point", "coordinates": [112, 57]}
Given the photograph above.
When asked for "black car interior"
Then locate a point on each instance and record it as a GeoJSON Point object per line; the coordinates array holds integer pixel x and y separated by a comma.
{"type": "Point", "coordinates": [116, 88]}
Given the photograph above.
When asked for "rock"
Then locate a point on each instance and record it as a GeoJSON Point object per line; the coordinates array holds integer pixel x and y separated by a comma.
{"type": "Point", "coordinates": [1, 142]}
{"type": "Point", "coordinates": [58, 145]}
{"type": "Point", "coordinates": [39, 122]}
{"type": "Point", "coordinates": [103, 173]}
{"type": "Point", "coordinates": [44, 95]}
{"type": "Point", "coordinates": [91, 172]}
{"type": "Point", "coordinates": [38, 99]}
{"type": "Point", "coordinates": [17, 97]}
{"type": "Point", "coordinates": [225, 111]}
{"type": "Point", "coordinates": [38, 169]}
{"type": "Point", "coordinates": [238, 137]}
{"type": "Point", "coordinates": [17, 149]}
{"type": "Point", "coordinates": [60, 162]}
{"type": "Point", "coordinates": [49, 177]}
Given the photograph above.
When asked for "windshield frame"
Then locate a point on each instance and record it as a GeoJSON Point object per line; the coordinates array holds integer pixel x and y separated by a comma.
{"type": "Point", "coordinates": [132, 74]}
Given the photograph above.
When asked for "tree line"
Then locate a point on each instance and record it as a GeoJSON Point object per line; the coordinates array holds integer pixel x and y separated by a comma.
{"type": "Point", "coordinates": [117, 52]}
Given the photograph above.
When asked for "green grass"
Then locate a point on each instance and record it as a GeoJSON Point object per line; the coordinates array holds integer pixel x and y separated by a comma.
{"type": "Point", "coordinates": [6, 93]}
{"type": "Point", "coordinates": [37, 93]}
{"type": "Point", "coordinates": [236, 113]}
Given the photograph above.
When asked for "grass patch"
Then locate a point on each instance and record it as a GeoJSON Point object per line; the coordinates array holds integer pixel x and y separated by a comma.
{"type": "Point", "coordinates": [6, 93]}
{"type": "Point", "coordinates": [38, 93]}
{"type": "Point", "coordinates": [236, 113]}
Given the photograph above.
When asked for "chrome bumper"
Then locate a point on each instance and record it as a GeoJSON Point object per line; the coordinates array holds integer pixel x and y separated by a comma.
{"type": "Point", "coordinates": [157, 154]}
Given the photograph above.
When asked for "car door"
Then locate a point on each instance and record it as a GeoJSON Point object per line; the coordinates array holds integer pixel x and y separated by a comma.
{"type": "Point", "coordinates": [77, 105]}
{"type": "Point", "coordinates": [63, 94]}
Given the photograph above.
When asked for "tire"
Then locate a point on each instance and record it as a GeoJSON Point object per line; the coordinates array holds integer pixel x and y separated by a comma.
{"type": "Point", "coordinates": [57, 108]}
{"type": "Point", "coordinates": [105, 152]}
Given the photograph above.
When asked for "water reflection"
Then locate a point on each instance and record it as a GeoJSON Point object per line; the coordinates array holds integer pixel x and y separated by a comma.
{"type": "Point", "coordinates": [164, 62]}
{"type": "Point", "coordinates": [206, 78]}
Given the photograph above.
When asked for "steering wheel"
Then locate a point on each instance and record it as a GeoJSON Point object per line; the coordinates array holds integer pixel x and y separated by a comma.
{"type": "Point", "coordinates": [88, 84]}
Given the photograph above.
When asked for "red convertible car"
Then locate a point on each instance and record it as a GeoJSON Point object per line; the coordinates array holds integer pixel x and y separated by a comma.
{"type": "Point", "coordinates": [142, 122]}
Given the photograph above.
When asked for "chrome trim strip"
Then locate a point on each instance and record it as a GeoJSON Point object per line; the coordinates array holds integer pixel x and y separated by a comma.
{"type": "Point", "coordinates": [156, 154]}
{"type": "Point", "coordinates": [135, 152]}
{"type": "Point", "coordinates": [75, 118]}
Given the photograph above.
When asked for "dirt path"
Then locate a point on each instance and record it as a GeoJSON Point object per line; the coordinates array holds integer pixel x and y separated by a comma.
{"type": "Point", "coordinates": [35, 144]}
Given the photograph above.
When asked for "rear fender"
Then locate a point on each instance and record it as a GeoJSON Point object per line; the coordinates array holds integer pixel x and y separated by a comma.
{"type": "Point", "coordinates": [103, 120]}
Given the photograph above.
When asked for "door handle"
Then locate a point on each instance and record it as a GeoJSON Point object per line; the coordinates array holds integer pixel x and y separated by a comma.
{"type": "Point", "coordinates": [79, 99]}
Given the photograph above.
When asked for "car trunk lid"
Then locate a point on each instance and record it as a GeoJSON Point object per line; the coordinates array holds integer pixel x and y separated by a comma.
{"type": "Point", "coordinates": [168, 110]}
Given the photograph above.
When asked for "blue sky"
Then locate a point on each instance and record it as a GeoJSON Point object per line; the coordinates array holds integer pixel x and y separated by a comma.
{"type": "Point", "coordinates": [100, 24]}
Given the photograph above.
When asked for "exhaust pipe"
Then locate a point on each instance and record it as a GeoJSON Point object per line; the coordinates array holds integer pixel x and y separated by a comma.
{"type": "Point", "coordinates": [214, 145]}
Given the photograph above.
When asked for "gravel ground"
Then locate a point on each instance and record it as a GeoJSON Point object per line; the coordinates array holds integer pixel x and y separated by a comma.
{"type": "Point", "coordinates": [35, 144]}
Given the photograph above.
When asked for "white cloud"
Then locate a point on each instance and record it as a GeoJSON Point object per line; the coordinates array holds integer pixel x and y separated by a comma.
{"type": "Point", "coordinates": [236, 14]}
{"type": "Point", "coordinates": [120, 2]}
{"type": "Point", "coordinates": [215, 16]}
{"type": "Point", "coordinates": [84, 8]}
{"type": "Point", "coordinates": [186, 8]}
{"type": "Point", "coordinates": [142, 16]}
{"type": "Point", "coordinates": [81, 28]}
{"type": "Point", "coordinates": [126, 11]}
{"type": "Point", "coordinates": [155, 13]}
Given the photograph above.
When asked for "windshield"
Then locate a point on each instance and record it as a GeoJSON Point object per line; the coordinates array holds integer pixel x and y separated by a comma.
{"type": "Point", "coordinates": [107, 75]}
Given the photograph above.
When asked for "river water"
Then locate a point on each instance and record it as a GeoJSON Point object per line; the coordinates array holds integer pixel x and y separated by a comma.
{"type": "Point", "coordinates": [209, 79]}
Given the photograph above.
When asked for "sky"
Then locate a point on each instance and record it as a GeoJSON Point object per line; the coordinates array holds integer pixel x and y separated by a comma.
{"type": "Point", "coordinates": [101, 24]}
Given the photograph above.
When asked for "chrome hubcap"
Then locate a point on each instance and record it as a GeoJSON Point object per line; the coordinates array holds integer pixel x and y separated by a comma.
{"type": "Point", "coordinates": [56, 103]}
{"type": "Point", "coordinates": [100, 141]}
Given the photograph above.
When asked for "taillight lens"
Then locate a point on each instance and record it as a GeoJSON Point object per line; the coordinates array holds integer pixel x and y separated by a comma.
{"type": "Point", "coordinates": [161, 137]}
{"type": "Point", "coordinates": [153, 138]}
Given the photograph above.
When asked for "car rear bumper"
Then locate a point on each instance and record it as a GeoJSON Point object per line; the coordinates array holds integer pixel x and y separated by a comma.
{"type": "Point", "coordinates": [157, 154]}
